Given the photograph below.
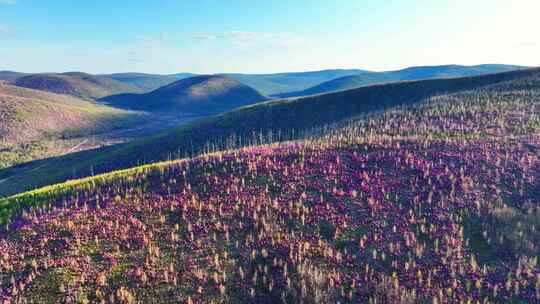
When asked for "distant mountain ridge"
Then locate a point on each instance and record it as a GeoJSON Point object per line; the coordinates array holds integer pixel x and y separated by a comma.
{"type": "Point", "coordinates": [10, 75]}
{"type": "Point", "coordinates": [147, 82]}
{"type": "Point", "coordinates": [266, 84]}
{"type": "Point", "coordinates": [412, 73]}
{"type": "Point", "coordinates": [288, 84]}
{"type": "Point", "coordinates": [200, 94]}
{"type": "Point", "coordinates": [271, 84]}
{"type": "Point", "coordinates": [74, 83]}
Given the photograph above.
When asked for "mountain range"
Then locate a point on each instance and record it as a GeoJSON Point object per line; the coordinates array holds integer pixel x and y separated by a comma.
{"type": "Point", "coordinates": [277, 85]}
{"type": "Point", "coordinates": [363, 78]}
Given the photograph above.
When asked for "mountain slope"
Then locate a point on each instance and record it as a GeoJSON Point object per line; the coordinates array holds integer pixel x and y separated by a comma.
{"type": "Point", "coordinates": [10, 75]}
{"type": "Point", "coordinates": [450, 71]}
{"type": "Point", "coordinates": [147, 82]}
{"type": "Point", "coordinates": [271, 84]}
{"type": "Point", "coordinates": [269, 121]}
{"type": "Point", "coordinates": [412, 73]}
{"type": "Point", "coordinates": [199, 94]}
{"type": "Point", "coordinates": [31, 117]}
{"type": "Point", "coordinates": [343, 83]}
{"type": "Point", "coordinates": [74, 83]}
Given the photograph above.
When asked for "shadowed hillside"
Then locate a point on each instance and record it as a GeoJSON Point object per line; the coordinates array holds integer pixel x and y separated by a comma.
{"type": "Point", "coordinates": [75, 83]}
{"type": "Point", "coordinates": [284, 119]}
{"type": "Point", "coordinates": [412, 73]}
{"type": "Point", "coordinates": [199, 94]}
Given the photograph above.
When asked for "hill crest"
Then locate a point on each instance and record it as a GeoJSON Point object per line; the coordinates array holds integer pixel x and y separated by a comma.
{"type": "Point", "coordinates": [199, 94]}
{"type": "Point", "coordinates": [366, 78]}
{"type": "Point", "coordinates": [78, 84]}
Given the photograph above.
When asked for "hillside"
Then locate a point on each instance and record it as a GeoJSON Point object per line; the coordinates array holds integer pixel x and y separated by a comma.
{"type": "Point", "coordinates": [272, 84]}
{"type": "Point", "coordinates": [32, 122]}
{"type": "Point", "coordinates": [74, 83]}
{"type": "Point", "coordinates": [426, 202]}
{"type": "Point", "coordinates": [10, 75]}
{"type": "Point", "coordinates": [266, 122]}
{"type": "Point", "coordinates": [412, 73]}
{"type": "Point", "coordinates": [147, 82]}
{"type": "Point", "coordinates": [199, 94]}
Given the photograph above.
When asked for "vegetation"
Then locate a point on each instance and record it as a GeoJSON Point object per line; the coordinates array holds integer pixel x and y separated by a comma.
{"type": "Point", "coordinates": [35, 124]}
{"type": "Point", "coordinates": [432, 201]}
{"type": "Point", "coordinates": [262, 123]}
{"type": "Point", "coordinates": [147, 82]}
{"type": "Point", "coordinates": [206, 94]}
{"type": "Point", "coordinates": [75, 83]}
{"type": "Point", "coordinates": [9, 75]}
{"type": "Point", "coordinates": [272, 84]}
{"type": "Point", "coordinates": [413, 73]}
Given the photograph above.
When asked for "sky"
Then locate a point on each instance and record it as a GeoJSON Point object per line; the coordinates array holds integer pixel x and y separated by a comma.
{"type": "Point", "coordinates": [251, 36]}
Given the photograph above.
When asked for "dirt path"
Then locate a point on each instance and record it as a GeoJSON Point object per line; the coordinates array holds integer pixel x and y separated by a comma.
{"type": "Point", "coordinates": [77, 146]}
{"type": "Point", "coordinates": [156, 123]}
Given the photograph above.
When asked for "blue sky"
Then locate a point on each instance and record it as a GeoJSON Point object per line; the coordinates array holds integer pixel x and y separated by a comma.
{"type": "Point", "coordinates": [211, 36]}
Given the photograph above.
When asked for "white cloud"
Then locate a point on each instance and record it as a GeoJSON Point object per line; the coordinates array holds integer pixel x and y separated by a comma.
{"type": "Point", "coordinates": [251, 39]}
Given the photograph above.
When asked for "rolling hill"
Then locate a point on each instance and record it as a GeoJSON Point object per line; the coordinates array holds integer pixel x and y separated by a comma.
{"type": "Point", "coordinates": [277, 85]}
{"type": "Point", "coordinates": [431, 199]}
{"type": "Point", "coordinates": [75, 83]}
{"type": "Point", "coordinates": [412, 73]}
{"type": "Point", "coordinates": [31, 119]}
{"type": "Point", "coordinates": [264, 122]}
{"type": "Point", "coordinates": [199, 94]}
{"type": "Point", "coordinates": [10, 75]}
{"type": "Point", "coordinates": [272, 84]}
{"type": "Point", "coordinates": [147, 82]}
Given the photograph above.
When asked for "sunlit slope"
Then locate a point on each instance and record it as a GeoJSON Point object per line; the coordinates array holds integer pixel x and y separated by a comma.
{"type": "Point", "coordinates": [270, 121]}
{"type": "Point", "coordinates": [29, 119]}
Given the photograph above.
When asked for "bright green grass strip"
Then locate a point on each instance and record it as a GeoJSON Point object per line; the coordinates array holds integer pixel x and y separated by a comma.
{"type": "Point", "coordinates": [46, 194]}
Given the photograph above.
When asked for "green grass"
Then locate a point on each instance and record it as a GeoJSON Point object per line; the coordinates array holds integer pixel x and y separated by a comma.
{"type": "Point", "coordinates": [36, 124]}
